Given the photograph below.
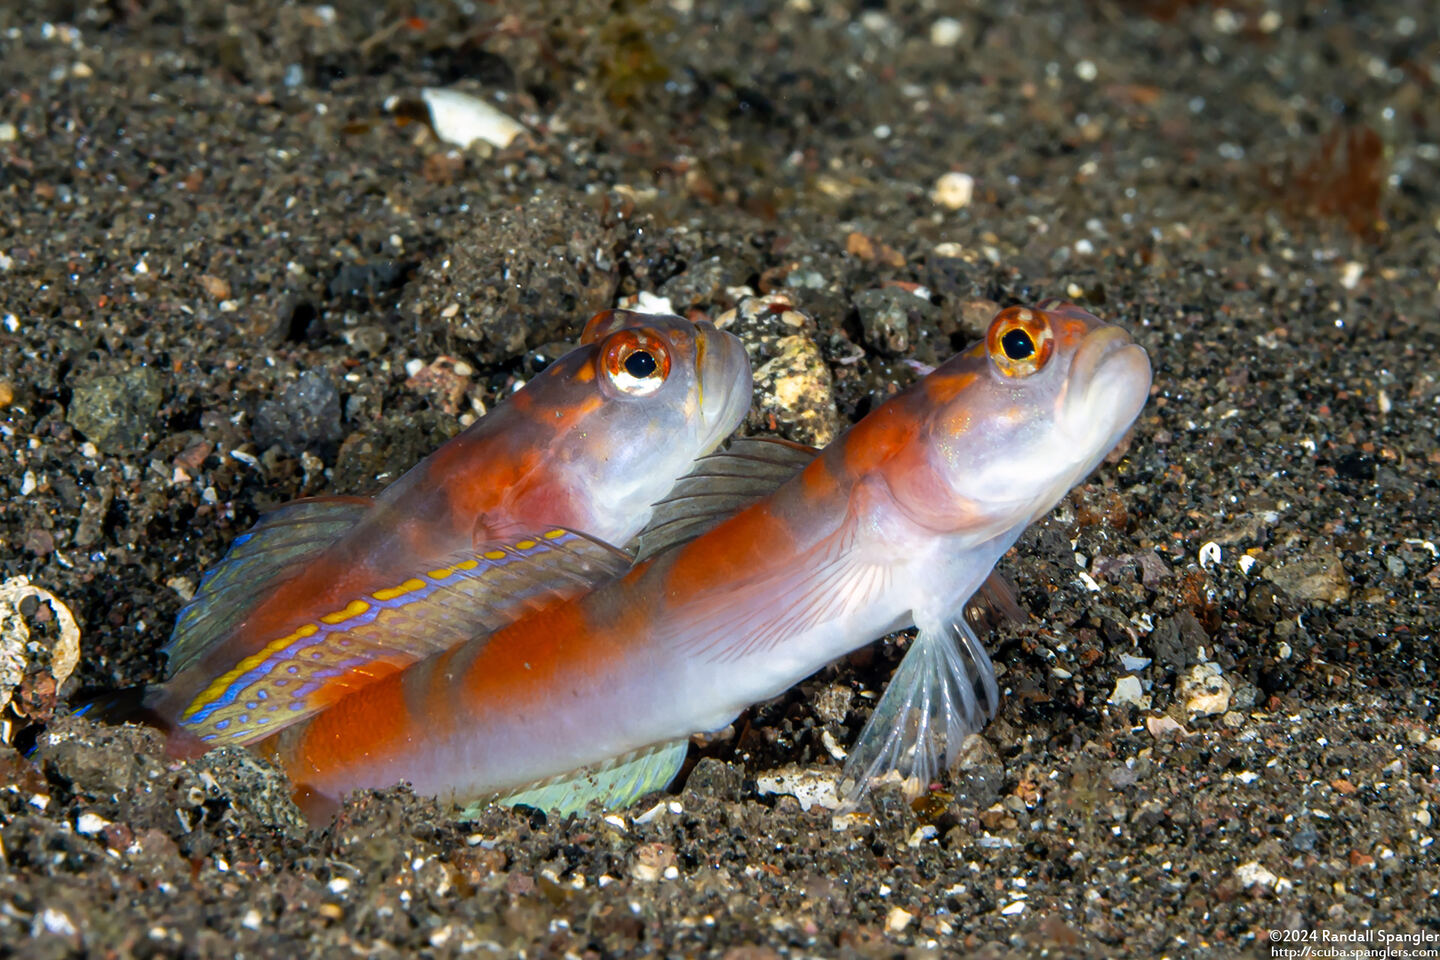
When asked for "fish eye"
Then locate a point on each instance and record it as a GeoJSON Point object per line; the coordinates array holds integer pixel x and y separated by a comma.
{"type": "Point", "coordinates": [635, 362]}
{"type": "Point", "coordinates": [640, 364]}
{"type": "Point", "coordinates": [1020, 341]}
{"type": "Point", "coordinates": [1018, 345]}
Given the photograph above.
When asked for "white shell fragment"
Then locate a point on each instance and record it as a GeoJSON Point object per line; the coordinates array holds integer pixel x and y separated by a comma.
{"type": "Point", "coordinates": [812, 788]}
{"type": "Point", "coordinates": [461, 119]}
{"type": "Point", "coordinates": [15, 636]}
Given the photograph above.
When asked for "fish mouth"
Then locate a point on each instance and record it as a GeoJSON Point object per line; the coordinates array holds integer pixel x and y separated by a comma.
{"type": "Point", "coordinates": [724, 382]}
{"type": "Point", "coordinates": [1109, 382]}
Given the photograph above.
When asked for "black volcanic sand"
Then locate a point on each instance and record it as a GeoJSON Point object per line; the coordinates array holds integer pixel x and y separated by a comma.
{"type": "Point", "coordinates": [219, 252]}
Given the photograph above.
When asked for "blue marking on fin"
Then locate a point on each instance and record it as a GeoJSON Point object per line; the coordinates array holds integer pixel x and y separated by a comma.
{"type": "Point", "coordinates": [278, 544]}
{"type": "Point", "coordinates": [474, 596]}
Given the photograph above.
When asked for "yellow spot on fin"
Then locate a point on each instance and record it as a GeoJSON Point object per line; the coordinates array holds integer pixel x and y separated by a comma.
{"type": "Point", "coordinates": [389, 593]}
{"type": "Point", "coordinates": [353, 609]}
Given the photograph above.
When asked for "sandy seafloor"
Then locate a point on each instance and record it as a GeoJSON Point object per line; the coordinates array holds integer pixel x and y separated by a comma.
{"type": "Point", "coordinates": [200, 202]}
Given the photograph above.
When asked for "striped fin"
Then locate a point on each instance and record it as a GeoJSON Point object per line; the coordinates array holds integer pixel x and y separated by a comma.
{"type": "Point", "coordinates": [280, 542]}
{"type": "Point", "coordinates": [718, 487]}
{"type": "Point", "coordinates": [943, 691]}
{"type": "Point", "coordinates": [615, 783]}
{"type": "Point", "coordinates": [470, 594]}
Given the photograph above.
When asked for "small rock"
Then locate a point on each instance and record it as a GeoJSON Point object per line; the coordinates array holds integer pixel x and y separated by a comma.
{"type": "Point", "coordinates": [833, 704]}
{"type": "Point", "coordinates": [700, 284]}
{"type": "Point", "coordinates": [652, 861]}
{"type": "Point", "coordinates": [518, 278]}
{"type": "Point", "coordinates": [795, 394]}
{"type": "Point", "coordinates": [1162, 725]}
{"type": "Point", "coordinates": [946, 32]}
{"type": "Point", "coordinates": [889, 315]}
{"type": "Point", "coordinates": [954, 190]}
{"type": "Point", "coordinates": [1203, 690]}
{"type": "Point", "coordinates": [1252, 874]}
{"type": "Point", "coordinates": [1128, 691]}
{"type": "Point", "coordinates": [1177, 640]}
{"type": "Point", "coordinates": [716, 779]}
{"type": "Point", "coordinates": [897, 920]}
{"type": "Point", "coordinates": [117, 413]}
{"type": "Point", "coordinates": [1315, 576]}
{"type": "Point", "coordinates": [305, 417]}
{"type": "Point", "coordinates": [215, 287]}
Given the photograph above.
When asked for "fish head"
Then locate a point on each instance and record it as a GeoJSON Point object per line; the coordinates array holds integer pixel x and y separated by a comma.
{"type": "Point", "coordinates": [656, 391]}
{"type": "Point", "coordinates": [1022, 416]}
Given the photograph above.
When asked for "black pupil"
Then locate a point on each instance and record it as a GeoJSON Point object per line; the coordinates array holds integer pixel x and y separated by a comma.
{"type": "Point", "coordinates": [1018, 345]}
{"type": "Point", "coordinates": [640, 364]}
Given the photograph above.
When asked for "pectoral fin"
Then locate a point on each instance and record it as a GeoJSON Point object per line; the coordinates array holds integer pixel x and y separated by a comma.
{"type": "Point", "coordinates": [943, 691]}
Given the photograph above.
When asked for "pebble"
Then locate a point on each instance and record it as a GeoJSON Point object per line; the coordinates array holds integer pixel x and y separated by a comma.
{"type": "Point", "coordinates": [1316, 576]}
{"type": "Point", "coordinates": [1128, 691]}
{"type": "Point", "coordinates": [889, 316]}
{"type": "Point", "coordinates": [795, 393]}
{"type": "Point", "coordinates": [518, 278]}
{"type": "Point", "coordinates": [897, 920]}
{"type": "Point", "coordinates": [954, 190]}
{"type": "Point", "coordinates": [946, 32]}
{"type": "Point", "coordinates": [118, 413]}
{"type": "Point", "coordinates": [1255, 874]}
{"type": "Point", "coordinates": [306, 416]}
{"type": "Point", "coordinates": [1204, 691]}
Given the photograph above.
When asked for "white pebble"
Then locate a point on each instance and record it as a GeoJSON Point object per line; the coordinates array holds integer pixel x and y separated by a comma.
{"type": "Point", "coordinates": [897, 920]}
{"type": "Point", "coordinates": [954, 190]}
{"type": "Point", "coordinates": [1350, 274]}
{"type": "Point", "coordinates": [1127, 691]}
{"type": "Point", "coordinates": [90, 824]}
{"type": "Point", "coordinates": [1252, 873]}
{"type": "Point", "coordinates": [946, 32]}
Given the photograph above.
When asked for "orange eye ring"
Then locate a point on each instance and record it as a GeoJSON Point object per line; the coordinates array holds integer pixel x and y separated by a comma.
{"type": "Point", "coordinates": [636, 362]}
{"type": "Point", "coordinates": [1020, 341]}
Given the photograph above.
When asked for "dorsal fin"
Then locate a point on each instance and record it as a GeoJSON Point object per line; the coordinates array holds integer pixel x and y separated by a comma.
{"type": "Point", "coordinates": [280, 542]}
{"type": "Point", "coordinates": [469, 594]}
{"type": "Point", "coordinates": [718, 487]}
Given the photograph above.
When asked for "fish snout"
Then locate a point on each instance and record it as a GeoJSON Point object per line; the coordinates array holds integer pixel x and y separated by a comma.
{"type": "Point", "coordinates": [1109, 378]}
